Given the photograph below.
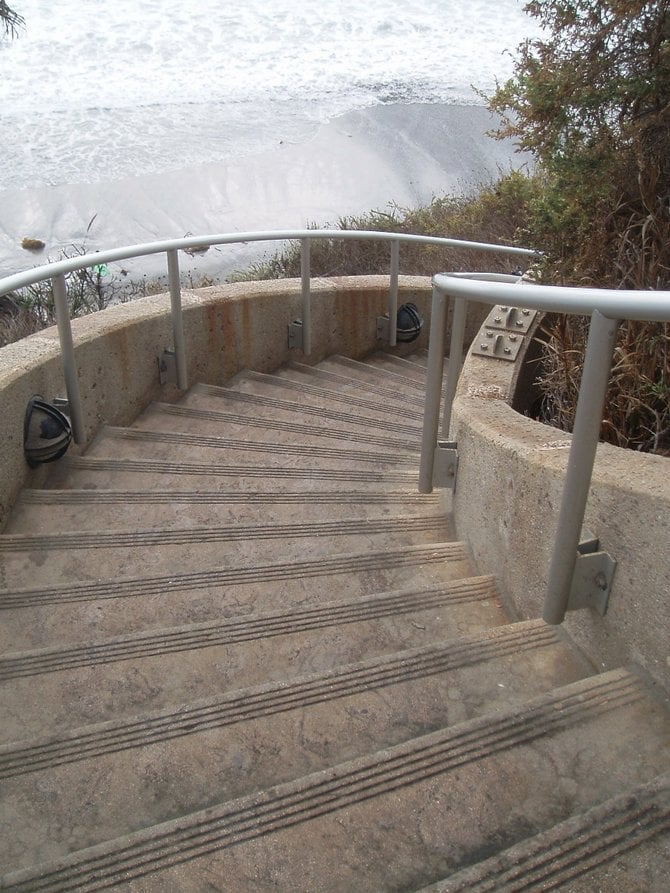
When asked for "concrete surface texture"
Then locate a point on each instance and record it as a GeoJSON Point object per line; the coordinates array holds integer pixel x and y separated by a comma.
{"type": "Point", "coordinates": [510, 482]}
{"type": "Point", "coordinates": [240, 652]}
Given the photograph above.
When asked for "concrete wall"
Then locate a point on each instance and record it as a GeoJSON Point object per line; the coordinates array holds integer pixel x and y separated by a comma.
{"type": "Point", "coordinates": [506, 505]}
{"type": "Point", "coordinates": [227, 328]}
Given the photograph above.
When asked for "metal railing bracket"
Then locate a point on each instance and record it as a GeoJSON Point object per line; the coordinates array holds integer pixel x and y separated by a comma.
{"type": "Point", "coordinates": [592, 578]}
{"type": "Point", "coordinates": [512, 319]}
{"type": "Point", "coordinates": [295, 334]}
{"type": "Point", "coordinates": [383, 328]}
{"type": "Point", "coordinates": [167, 367]}
{"type": "Point", "coordinates": [498, 345]}
{"type": "Point", "coordinates": [445, 464]}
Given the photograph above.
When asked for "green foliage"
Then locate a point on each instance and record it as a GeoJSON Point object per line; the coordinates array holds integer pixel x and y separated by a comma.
{"type": "Point", "coordinates": [498, 214]}
{"type": "Point", "coordinates": [591, 101]}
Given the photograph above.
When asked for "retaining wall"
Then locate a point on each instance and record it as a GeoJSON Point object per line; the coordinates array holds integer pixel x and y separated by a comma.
{"type": "Point", "coordinates": [506, 506]}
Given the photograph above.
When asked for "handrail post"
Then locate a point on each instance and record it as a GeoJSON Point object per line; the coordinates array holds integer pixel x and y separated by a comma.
{"type": "Point", "coordinates": [455, 360]}
{"type": "Point", "coordinates": [67, 358]}
{"type": "Point", "coordinates": [305, 276]}
{"type": "Point", "coordinates": [431, 412]}
{"type": "Point", "coordinates": [177, 319]}
{"type": "Point", "coordinates": [586, 431]}
{"type": "Point", "coordinates": [393, 293]}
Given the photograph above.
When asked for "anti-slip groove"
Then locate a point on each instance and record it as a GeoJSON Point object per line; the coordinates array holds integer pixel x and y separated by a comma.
{"type": "Point", "coordinates": [266, 700]}
{"type": "Point", "coordinates": [205, 469]}
{"type": "Point", "coordinates": [252, 446]}
{"type": "Point", "coordinates": [348, 785]}
{"type": "Point", "coordinates": [572, 848]}
{"type": "Point", "coordinates": [136, 587]}
{"type": "Point", "coordinates": [223, 497]}
{"type": "Point", "coordinates": [229, 418]}
{"type": "Point", "coordinates": [334, 415]}
{"type": "Point", "coordinates": [98, 539]}
{"type": "Point", "coordinates": [247, 629]}
{"type": "Point", "coordinates": [325, 393]}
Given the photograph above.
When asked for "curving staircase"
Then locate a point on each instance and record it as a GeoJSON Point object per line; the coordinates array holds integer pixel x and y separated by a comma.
{"type": "Point", "coordinates": [240, 652]}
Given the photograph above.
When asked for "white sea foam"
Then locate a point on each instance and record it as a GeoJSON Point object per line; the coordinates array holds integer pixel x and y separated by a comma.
{"type": "Point", "coordinates": [104, 89]}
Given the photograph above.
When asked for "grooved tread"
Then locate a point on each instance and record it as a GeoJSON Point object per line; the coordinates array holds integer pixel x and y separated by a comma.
{"type": "Point", "coordinates": [292, 406]}
{"type": "Point", "coordinates": [250, 446]}
{"type": "Point", "coordinates": [221, 417]}
{"type": "Point", "coordinates": [148, 466]}
{"type": "Point", "coordinates": [98, 539]}
{"type": "Point", "coordinates": [327, 393]}
{"type": "Point", "coordinates": [286, 805]}
{"type": "Point", "coordinates": [571, 849]}
{"type": "Point", "coordinates": [375, 372]}
{"type": "Point", "coordinates": [137, 587]}
{"type": "Point", "coordinates": [233, 497]}
{"type": "Point", "coordinates": [265, 700]}
{"type": "Point", "coordinates": [345, 381]}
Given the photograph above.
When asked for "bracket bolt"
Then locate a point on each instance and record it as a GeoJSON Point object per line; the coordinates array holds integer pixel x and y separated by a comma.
{"type": "Point", "coordinates": [519, 322]}
{"type": "Point", "coordinates": [484, 346]}
{"type": "Point", "coordinates": [497, 319]}
{"type": "Point", "coordinates": [507, 349]}
{"type": "Point", "coordinates": [504, 309]}
{"type": "Point", "coordinates": [526, 312]}
{"type": "Point", "coordinates": [601, 581]}
{"type": "Point", "coordinates": [512, 338]}
{"type": "Point", "coordinates": [489, 333]}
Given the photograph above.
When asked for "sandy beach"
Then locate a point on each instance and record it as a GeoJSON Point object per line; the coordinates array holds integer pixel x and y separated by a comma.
{"type": "Point", "coordinates": [402, 154]}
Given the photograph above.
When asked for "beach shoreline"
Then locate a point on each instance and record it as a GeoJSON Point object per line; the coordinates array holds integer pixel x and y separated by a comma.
{"type": "Point", "coordinates": [374, 158]}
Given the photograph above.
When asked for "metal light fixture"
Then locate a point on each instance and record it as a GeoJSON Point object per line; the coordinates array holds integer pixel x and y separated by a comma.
{"type": "Point", "coordinates": [47, 432]}
{"type": "Point", "coordinates": [409, 323]}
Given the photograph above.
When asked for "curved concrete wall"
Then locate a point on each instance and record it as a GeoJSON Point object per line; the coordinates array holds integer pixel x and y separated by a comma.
{"type": "Point", "coordinates": [227, 328]}
{"type": "Point", "coordinates": [506, 506]}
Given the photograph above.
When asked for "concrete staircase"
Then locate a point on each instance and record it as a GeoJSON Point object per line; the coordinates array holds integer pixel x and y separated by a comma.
{"type": "Point", "coordinates": [241, 653]}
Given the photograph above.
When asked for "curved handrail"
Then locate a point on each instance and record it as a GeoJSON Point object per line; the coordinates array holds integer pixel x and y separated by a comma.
{"type": "Point", "coordinates": [47, 271]}
{"type": "Point", "coordinates": [606, 307]}
{"type": "Point", "coordinates": [653, 306]}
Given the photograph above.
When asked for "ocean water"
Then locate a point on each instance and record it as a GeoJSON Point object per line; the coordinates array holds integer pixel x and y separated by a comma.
{"type": "Point", "coordinates": [108, 89]}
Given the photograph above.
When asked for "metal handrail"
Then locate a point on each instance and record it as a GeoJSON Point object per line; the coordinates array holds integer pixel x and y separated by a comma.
{"type": "Point", "coordinates": [57, 270]}
{"type": "Point", "coordinates": [606, 307]}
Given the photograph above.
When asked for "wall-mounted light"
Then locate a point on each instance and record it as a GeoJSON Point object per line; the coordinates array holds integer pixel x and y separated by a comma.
{"type": "Point", "coordinates": [47, 432]}
{"type": "Point", "coordinates": [409, 323]}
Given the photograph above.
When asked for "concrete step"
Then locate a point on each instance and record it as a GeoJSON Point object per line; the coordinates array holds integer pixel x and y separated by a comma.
{"type": "Point", "coordinates": [250, 426]}
{"type": "Point", "coordinates": [134, 443]}
{"type": "Point", "coordinates": [51, 511]}
{"type": "Point", "coordinates": [344, 383]}
{"type": "Point", "coordinates": [92, 675]}
{"type": "Point", "coordinates": [250, 739]}
{"type": "Point", "coordinates": [372, 373]}
{"type": "Point", "coordinates": [38, 559]}
{"type": "Point", "coordinates": [54, 613]}
{"type": "Point", "coordinates": [416, 371]}
{"type": "Point", "coordinates": [398, 818]}
{"type": "Point", "coordinates": [257, 403]}
{"type": "Point", "coordinates": [84, 472]}
{"type": "Point", "coordinates": [621, 844]}
{"type": "Point", "coordinates": [288, 386]}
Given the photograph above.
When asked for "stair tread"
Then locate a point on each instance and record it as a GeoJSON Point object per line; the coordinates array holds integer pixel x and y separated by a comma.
{"type": "Point", "coordinates": [320, 719]}
{"type": "Point", "coordinates": [60, 674]}
{"type": "Point", "coordinates": [620, 844]}
{"type": "Point", "coordinates": [402, 814]}
{"type": "Point", "coordinates": [96, 554]}
{"type": "Point", "coordinates": [46, 511]}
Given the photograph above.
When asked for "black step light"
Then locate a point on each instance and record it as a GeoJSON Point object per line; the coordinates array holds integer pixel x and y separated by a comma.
{"type": "Point", "coordinates": [409, 323]}
{"type": "Point", "coordinates": [46, 432]}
